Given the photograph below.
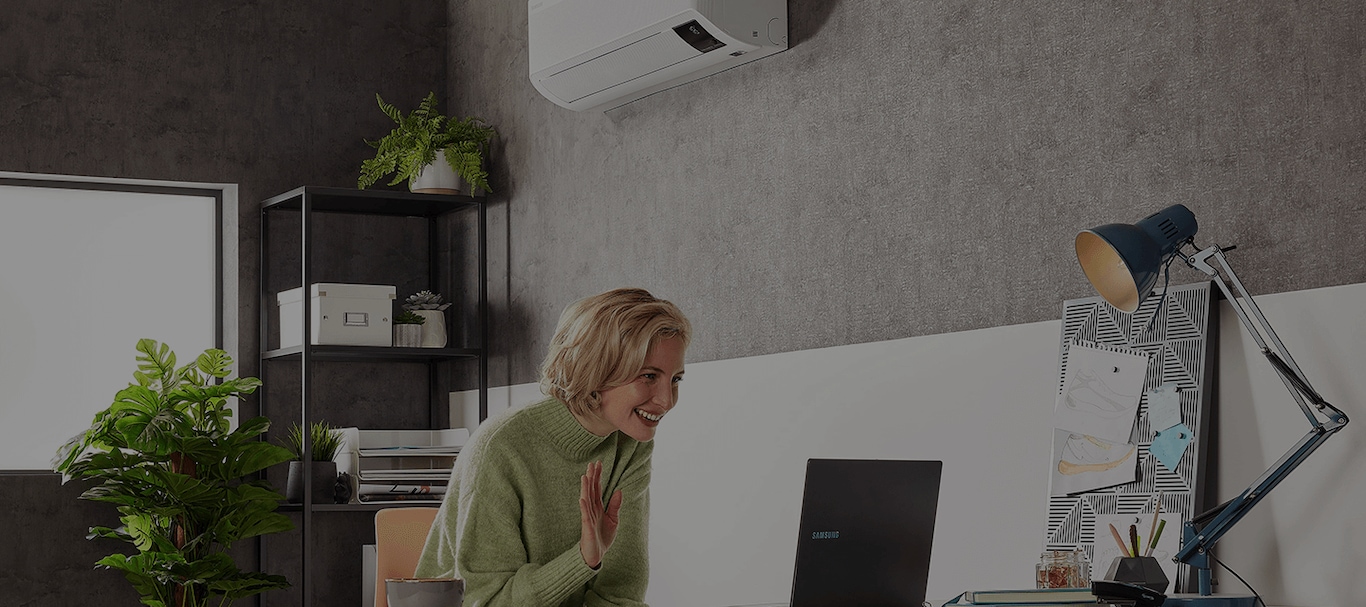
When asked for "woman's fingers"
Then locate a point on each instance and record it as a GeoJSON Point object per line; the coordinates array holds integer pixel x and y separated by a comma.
{"type": "Point", "coordinates": [591, 544]}
{"type": "Point", "coordinates": [596, 485]}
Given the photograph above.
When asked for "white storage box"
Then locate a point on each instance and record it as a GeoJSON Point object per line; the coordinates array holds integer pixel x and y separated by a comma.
{"type": "Point", "coordinates": [341, 314]}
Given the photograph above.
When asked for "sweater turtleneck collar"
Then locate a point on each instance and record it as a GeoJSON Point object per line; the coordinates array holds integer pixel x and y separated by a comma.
{"type": "Point", "coordinates": [558, 423]}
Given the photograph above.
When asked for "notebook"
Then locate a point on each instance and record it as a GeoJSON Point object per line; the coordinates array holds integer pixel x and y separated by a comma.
{"type": "Point", "coordinates": [866, 531]}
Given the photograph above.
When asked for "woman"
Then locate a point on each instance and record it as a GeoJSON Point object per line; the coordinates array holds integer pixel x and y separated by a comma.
{"type": "Point", "coordinates": [549, 504]}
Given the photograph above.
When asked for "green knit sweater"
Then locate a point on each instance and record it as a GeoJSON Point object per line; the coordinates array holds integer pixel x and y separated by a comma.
{"type": "Point", "coordinates": [510, 523]}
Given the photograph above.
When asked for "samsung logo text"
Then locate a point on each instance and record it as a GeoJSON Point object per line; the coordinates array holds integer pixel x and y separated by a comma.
{"type": "Point", "coordinates": [825, 535]}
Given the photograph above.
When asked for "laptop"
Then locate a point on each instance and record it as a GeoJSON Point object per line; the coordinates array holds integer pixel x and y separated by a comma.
{"type": "Point", "coordinates": [865, 534]}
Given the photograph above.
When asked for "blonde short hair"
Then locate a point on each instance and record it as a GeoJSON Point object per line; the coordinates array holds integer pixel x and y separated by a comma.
{"type": "Point", "coordinates": [601, 342]}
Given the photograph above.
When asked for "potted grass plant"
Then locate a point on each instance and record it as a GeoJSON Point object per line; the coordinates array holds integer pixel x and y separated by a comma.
{"type": "Point", "coordinates": [324, 443]}
{"type": "Point", "coordinates": [182, 479]}
{"type": "Point", "coordinates": [430, 151]}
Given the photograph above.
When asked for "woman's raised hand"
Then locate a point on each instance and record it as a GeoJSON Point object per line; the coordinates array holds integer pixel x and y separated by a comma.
{"type": "Point", "coordinates": [599, 523]}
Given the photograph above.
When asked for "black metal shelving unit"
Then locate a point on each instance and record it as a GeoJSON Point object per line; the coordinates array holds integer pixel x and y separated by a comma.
{"type": "Point", "coordinates": [307, 202]}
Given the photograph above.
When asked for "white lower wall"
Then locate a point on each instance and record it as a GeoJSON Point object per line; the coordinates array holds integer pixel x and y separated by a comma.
{"type": "Point", "coordinates": [730, 459]}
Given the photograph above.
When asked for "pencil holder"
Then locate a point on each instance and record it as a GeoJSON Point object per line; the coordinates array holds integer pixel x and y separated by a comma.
{"type": "Point", "coordinates": [1142, 571]}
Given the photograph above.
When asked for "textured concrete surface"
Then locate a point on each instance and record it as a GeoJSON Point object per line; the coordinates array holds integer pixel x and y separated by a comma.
{"type": "Point", "coordinates": [910, 168]}
{"type": "Point", "coordinates": [266, 95]}
{"type": "Point", "coordinates": [906, 168]}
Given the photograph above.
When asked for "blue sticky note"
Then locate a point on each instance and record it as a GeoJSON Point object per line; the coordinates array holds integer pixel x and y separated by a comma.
{"type": "Point", "coordinates": [1170, 444]}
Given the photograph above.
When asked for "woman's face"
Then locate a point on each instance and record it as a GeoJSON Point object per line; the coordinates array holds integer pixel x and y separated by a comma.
{"type": "Point", "coordinates": [636, 407]}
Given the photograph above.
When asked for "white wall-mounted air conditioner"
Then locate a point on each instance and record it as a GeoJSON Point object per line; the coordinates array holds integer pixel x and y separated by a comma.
{"type": "Point", "coordinates": [600, 54]}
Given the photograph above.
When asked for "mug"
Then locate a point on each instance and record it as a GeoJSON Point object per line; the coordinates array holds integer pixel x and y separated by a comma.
{"type": "Point", "coordinates": [424, 592]}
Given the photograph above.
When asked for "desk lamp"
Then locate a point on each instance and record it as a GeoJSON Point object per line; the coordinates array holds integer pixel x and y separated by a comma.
{"type": "Point", "coordinates": [1122, 262]}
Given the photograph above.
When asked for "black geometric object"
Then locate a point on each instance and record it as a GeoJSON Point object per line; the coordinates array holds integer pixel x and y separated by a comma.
{"type": "Point", "coordinates": [1142, 571]}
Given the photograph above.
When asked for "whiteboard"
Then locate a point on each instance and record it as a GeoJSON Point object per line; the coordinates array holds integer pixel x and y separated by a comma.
{"type": "Point", "coordinates": [84, 273]}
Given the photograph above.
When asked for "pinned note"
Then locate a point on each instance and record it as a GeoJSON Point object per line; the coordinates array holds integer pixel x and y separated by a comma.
{"type": "Point", "coordinates": [1170, 444]}
{"type": "Point", "coordinates": [1164, 407]}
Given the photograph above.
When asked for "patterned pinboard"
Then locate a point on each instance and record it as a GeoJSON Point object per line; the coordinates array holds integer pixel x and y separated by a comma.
{"type": "Point", "coordinates": [1179, 343]}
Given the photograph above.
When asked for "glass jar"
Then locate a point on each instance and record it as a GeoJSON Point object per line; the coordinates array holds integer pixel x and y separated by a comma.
{"type": "Point", "coordinates": [1062, 569]}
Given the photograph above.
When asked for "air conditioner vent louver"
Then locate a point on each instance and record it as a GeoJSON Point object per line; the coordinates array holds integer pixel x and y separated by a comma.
{"type": "Point", "coordinates": [601, 54]}
{"type": "Point", "coordinates": [619, 67]}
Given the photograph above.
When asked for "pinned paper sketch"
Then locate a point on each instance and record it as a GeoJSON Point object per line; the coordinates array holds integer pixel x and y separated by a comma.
{"type": "Point", "coordinates": [1100, 392]}
{"type": "Point", "coordinates": [1164, 407]}
{"type": "Point", "coordinates": [1170, 444]}
{"type": "Point", "coordinates": [1082, 463]}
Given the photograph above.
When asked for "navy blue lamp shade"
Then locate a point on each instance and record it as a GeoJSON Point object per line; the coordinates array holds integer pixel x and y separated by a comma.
{"type": "Point", "coordinates": [1123, 261]}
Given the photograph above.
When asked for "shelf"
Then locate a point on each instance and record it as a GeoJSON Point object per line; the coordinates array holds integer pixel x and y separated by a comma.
{"type": "Point", "coordinates": [370, 202]}
{"type": "Point", "coordinates": [449, 267]}
{"type": "Point", "coordinates": [373, 353]}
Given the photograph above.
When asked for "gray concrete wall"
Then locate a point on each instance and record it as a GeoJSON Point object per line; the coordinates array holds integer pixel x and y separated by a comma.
{"type": "Point", "coordinates": [910, 168]}
{"type": "Point", "coordinates": [266, 95]}
{"type": "Point", "coordinates": [905, 168]}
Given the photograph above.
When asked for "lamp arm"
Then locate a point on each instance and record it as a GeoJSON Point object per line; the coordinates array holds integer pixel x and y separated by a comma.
{"type": "Point", "coordinates": [1203, 531]}
{"type": "Point", "coordinates": [1262, 333]}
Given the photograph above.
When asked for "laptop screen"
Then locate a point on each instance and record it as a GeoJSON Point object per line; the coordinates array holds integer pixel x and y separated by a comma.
{"type": "Point", "coordinates": [865, 534]}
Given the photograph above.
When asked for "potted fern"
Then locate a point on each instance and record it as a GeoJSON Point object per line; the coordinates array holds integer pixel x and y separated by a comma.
{"type": "Point", "coordinates": [410, 151]}
{"type": "Point", "coordinates": [165, 455]}
{"type": "Point", "coordinates": [325, 442]}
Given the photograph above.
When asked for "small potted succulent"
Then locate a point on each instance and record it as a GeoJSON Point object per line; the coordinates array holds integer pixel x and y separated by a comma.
{"type": "Point", "coordinates": [325, 442]}
{"type": "Point", "coordinates": [408, 329]}
{"type": "Point", "coordinates": [433, 153]}
{"type": "Point", "coordinates": [428, 305]}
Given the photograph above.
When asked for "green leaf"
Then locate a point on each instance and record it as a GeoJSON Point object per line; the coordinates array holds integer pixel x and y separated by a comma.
{"type": "Point", "coordinates": [145, 574]}
{"type": "Point", "coordinates": [139, 528]}
{"type": "Point", "coordinates": [247, 584]}
{"type": "Point", "coordinates": [110, 533]}
{"type": "Point", "coordinates": [417, 139]}
{"type": "Point", "coordinates": [249, 523]}
{"type": "Point", "coordinates": [215, 363]}
{"type": "Point", "coordinates": [252, 457]}
{"type": "Point", "coordinates": [156, 361]}
{"type": "Point", "coordinates": [389, 110]}
{"type": "Point", "coordinates": [69, 452]}
{"type": "Point", "coordinates": [179, 415]}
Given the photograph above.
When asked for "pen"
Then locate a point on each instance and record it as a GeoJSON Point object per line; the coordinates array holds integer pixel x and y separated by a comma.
{"type": "Point", "coordinates": [1152, 545]}
{"type": "Point", "coordinates": [1152, 532]}
{"type": "Point", "coordinates": [1133, 537]}
{"type": "Point", "coordinates": [1118, 540]}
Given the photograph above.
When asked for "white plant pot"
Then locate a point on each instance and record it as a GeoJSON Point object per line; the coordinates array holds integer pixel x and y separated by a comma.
{"type": "Point", "coordinates": [439, 178]}
{"type": "Point", "coordinates": [434, 330]}
{"type": "Point", "coordinates": [407, 336]}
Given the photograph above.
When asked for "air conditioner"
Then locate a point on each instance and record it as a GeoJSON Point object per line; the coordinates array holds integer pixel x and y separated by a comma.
{"type": "Point", "coordinates": [600, 54]}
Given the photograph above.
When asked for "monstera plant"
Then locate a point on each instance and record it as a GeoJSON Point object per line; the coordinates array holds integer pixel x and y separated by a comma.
{"type": "Point", "coordinates": [165, 455]}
